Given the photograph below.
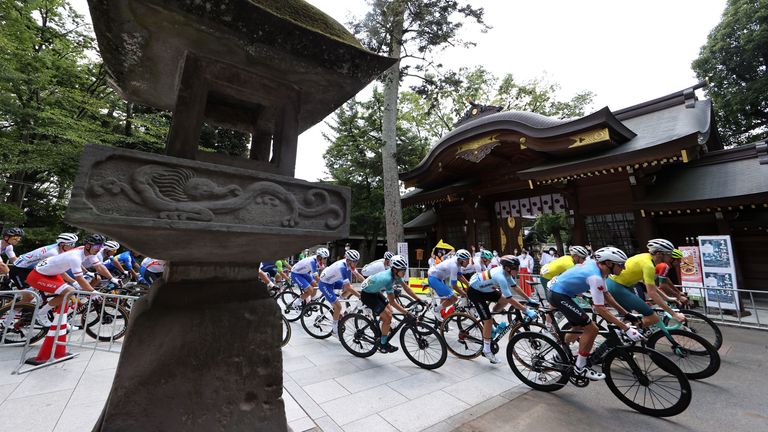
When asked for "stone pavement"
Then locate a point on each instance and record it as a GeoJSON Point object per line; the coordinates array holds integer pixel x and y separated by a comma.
{"type": "Point", "coordinates": [325, 388]}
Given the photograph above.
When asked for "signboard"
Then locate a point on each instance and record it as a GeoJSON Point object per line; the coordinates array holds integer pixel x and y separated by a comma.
{"type": "Point", "coordinates": [402, 250]}
{"type": "Point", "coordinates": [719, 272]}
{"type": "Point", "coordinates": [691, 276]}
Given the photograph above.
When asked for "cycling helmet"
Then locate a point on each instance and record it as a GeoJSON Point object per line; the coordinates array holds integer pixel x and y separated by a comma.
{"type": "Point", "coordinates": [13, 232]}
{"type": "Point", "coordinates": [95, 239]}
{"type": "Point", "coordinates": [510, 261]}
{"type": "Point", "coordinates": [660, 245]}
{"type": "Point", "coordinates": [677, 254]}
{"type": "Point", "coordinates": [580, 251]}
{"type": "Point", "coordinates": [486, 254]}
{"type": "Point", "coordinates": [322, 253]}
{"type": "Point", "coordinates": [388, 255]}
{"type": "Point", "coordinates": [352, 255]}
{"type": "Point", "coordinates": [463, 255]}
{"type": "Point", "coordinates": [611, 254]}
{"type": "Point", "coordinates": [112, 245]}
{"type": "Point", "coordinates": [398, 262]}
{"type": "Point", "coordinates": [67, 238]}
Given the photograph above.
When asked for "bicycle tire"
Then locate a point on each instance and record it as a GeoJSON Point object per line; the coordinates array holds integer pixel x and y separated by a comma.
{"type": "Point", "coordinates": [690, 347]}
{"type": "Point", "coordinates": [418, 341]}
{"type": "Point", "coordinates": [532, 326]}
{"type": "Point", "coordinates": [463, 335]}
{"type": "Point", "coordinates": [706, 329]}
{"type": "Point", "coordinates": [359, 335]}
{"type": "Point", "coordinates": [636, 359]}
{"type": "Point", "coordinates": [286, 331]}
{"type": "Point", "coordinates": [112, 313]}
{"type": "Point", "coordinates": [539, 350]}
{"type": "Point", "coordinates": [284, 301]}
{"type": "Point", "coordinates": [317, 319]}
{"type": "Point", "coordinates": [21, 324]}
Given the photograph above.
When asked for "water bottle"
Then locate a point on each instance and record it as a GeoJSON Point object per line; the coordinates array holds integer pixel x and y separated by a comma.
{"type": "Point", "coordinates": [495, 331]}
{"type": "Point", "coordinates": [501, 327]}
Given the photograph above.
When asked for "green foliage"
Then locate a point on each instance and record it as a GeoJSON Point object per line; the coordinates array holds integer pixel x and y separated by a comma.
{"type": "Point", "coordinates": [554, 227]}
{"type": "Point", "coordinates": [11, 215]}
{"type": "Point", "coordinates": [735, 61]}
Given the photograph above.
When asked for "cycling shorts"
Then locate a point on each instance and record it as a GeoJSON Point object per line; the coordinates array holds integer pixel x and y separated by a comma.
{"type": "Point", "coordinates": [376, 301]}
{"type": "Point", "coordinates": [19, 276]}
{"type": "Point", "coordinates": [50, 284]}
{"type": "Point", "coordinates": [572, 312]}
{"type": "Point", "coordinates": [627, 298]}
{"type": "Point", "coordinates": [327, 290]}
{"type": "Point", "coordinates": [302, 280]}
{"type": "Point", "coordinates": [481, 299]}
{"type": "Point", "coordinates": [442, 290]}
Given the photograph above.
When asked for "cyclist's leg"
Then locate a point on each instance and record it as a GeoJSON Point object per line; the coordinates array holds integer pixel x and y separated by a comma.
{"type": "Point", "coordinates": [446, 294]}
{"type": "Point", "coordinates": [480, 300]}
{"type": "Point", "coordinates": [304, 281]}
{"type": "Point", "coordinates": [330, 295]}
{"type": "Point", "coordinates": [58, 331]}
{"type": "Point", "coordinates": [631, 302]}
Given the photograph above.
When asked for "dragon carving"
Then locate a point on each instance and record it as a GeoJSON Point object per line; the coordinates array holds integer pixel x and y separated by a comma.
{"type": "Point", "coordinates": [178, 194]}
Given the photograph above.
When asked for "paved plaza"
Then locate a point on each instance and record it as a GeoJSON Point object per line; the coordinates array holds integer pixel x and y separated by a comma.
{"type": "Point", "coordinates": [327, 389]}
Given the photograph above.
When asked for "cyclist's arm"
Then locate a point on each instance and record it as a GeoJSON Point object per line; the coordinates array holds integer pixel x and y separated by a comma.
{"type": "Point", "coordinates": [4, 268]}
{"type": "Point", "coordinates": [100, 269]}
{"type": "Point", "coordinates": [408, 289]}
{"type": "Point", "coordinates": [118, 265]}
{"type": "Point", "coordinates": [68, 279]}
{"type": "Point", "coordinates": [395, 304]}
{"type": "Point", "coordinates": [460, 287]}
{"type": "Point", "coordinates": [599, 293]}
{"type": "Point", "coordinates": [84, 285]}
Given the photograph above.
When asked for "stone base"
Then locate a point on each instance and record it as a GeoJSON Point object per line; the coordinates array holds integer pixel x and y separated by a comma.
{"type": "Point", "coordinates": [200, 356]}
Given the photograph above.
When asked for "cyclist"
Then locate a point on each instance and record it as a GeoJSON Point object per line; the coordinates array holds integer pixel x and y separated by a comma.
{"type": "Point", "coordinates": [576, 255]}
{"type": "Point", "coordinates": [337, 276]}
{"type": "Point", "coordinates": [579, 279]}
{"type": "Point", "coordinates": [282, 267]}
{"type": "Point", "coordinates": [11, 237]}
{"type": "Point", "coordinates": [371, 296]}
{"type": "Point", "coordinates": [23, 266]}
{"type": "Point", "coordinates": [492, 286]}
{"type": "Point", "coordinates": [642, 268]}
{"type": "Point", "coordinates": [128, 264]}
{"type": "Point", "coordinates": [377, 266]}
{"type": "Point", "coordinates": [150, 270]}
{"type": "Point", "coordinates": [479, 263]}
{"type": "Point", "coordinates": [666, 283]}
{"type": "Point", "coordinates": [47, 276]}
{"type": "Point", "coordinates": [448, 269]}
{"type": "Point", "coordinates": [306, 274]}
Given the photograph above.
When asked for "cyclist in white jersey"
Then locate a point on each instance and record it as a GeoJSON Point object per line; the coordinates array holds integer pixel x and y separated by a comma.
{"type": "Point", "coordinates": [23, 266]}
{"type": "Point", "coordinates": [377, 266]}
{"type": "Point", "coordinates": [337, 276]}
{"type": "Point", "coordinates": [306, 274]}
{"type": "Point", "coordinates": [11, 237]}
{"type": "Point", "coordinates": [448, 269]}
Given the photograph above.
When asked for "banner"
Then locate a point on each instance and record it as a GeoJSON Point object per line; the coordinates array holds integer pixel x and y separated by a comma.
{"type": "Point", "coordinates": [719, 272]}
{"type": "Point", "coordinates": [690, 272]}
{"type": "Point", "coordinates": [402, 250]}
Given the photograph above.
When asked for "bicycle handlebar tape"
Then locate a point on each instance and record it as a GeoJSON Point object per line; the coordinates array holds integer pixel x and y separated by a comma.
{"type": "Point", "coordinates": [202, 350]}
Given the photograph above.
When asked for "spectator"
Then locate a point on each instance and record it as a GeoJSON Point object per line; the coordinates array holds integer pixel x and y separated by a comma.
{"type": "Point", "coordinates": [547, 258]}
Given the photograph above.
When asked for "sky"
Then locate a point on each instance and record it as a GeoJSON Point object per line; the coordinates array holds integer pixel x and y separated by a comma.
{"type": "Point", "coordinates": [626, 52]}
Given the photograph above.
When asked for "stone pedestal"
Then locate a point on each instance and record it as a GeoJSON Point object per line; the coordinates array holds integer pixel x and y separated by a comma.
{"type": "Point", "coordinates": [200, 355]}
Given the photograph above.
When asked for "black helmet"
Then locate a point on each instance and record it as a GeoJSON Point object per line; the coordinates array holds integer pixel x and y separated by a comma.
{"type": "Point", "coordinates": [95, 239]}
{"type": "Point", "coordinates": [12, 232]}
{"type": "Point", "coordinates": [510, 261]}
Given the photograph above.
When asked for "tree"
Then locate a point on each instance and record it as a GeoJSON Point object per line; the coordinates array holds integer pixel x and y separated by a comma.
{"type": "Point", "coordinates": [735, 61]}
{"type": "Point", "coordinates": [413, 30]}
{"type": "Point", "coordinates": [555, 225]}
{"type": "Point", "coordinates": [354, 156]}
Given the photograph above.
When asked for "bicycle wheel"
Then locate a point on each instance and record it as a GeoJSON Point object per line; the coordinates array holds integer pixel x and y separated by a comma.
{"type": "Point", "coordinates": [696, 357]}
{"type": "Point", "coordinates": [290, 310]}
{"type": "Point", "coordinates": [110, 325]}
{"type": "Point", "coordinates": [286, 331]}
{"type": "Point", "coordinates": [532, 326]}
{"type": "Point", "coordinates": [646, 381]}
{"type": "Point", "coordinates": [531, 356]}
{"type": "Point", "coordinates": [463, 335]}
{"type": "Point", "coordinates": [317, 319]}
{"type": "Point", "coordinates": [22, 324]}
{"type": "Point", "coordinates": [359, 335]}
{"type": "Point", "coordinates": [423, 345]}
{"type": "Point", "coordinates": [697, 322]}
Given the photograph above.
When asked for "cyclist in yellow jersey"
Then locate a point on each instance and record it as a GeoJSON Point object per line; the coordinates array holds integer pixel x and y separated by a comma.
{"type": "Point", "coordinates": [578, 255]}
{"type": "Point", "coordinates": [642, 268]}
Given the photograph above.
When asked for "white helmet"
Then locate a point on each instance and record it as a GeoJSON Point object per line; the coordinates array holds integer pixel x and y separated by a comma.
{"type": "Point", "coordinates": [388, 255]}
{"type": "Point", "coordinates": [611, 254]}
{"type": "Point", "coordinates": [463, 255]}
{"type": "Point", "coordinates": [399, 262]}
{"type": "Point", "coordinates": [352, 255]}
{"type": "Point", "coordinates": [111, 245]}
{"type": "Point", "coordinates": [578, 251]}
{"type": "Point", "coordinates": [322, 252]}
{"type": "Point", "coordinates": [67, 238]}
{"type": "Point", "coordinates": [660, 245]}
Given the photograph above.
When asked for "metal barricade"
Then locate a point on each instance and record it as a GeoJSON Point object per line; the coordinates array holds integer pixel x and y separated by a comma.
{"type": "Point", "coordinates": [93, 312]}
{"type": "Point", "coordinates": [717, 311]}
{"type": "Point", "coordinates": [10, 307]}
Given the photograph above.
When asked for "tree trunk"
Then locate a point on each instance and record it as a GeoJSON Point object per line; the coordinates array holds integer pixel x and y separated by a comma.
{"type": "Point", "coordinates": [559, 241]}
{"type": "Point", "coordinates": [128, 118]}
{"type": "Point", "coordinates": [393, 213]}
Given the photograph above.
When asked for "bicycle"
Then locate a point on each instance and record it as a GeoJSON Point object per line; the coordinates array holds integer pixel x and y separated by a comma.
{"type": "Point", "coordinates": [360, 335]}
{"type": "Point", "coordinates": [317, 316]}
{"type": "Point", "coordinates": [286, 331]}
{"type": "Point", "coordinates": [695, 322]}
{"type": "Point", "coordinates": [641, 378]}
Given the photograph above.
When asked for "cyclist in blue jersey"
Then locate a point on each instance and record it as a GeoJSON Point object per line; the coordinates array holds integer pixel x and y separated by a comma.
{"type": "Point", "coordinates": [493, 286]}
{"type": "Point", "coordinates": [589, 276]}
{"type": "Point", "coordinates": [123, 264]}
{"type": "Point", "coordinates": [337, 276]}
{"type": "Point", "coordinates": [371, 295]}
{"type": "Point", "coordinates": [306, 274]}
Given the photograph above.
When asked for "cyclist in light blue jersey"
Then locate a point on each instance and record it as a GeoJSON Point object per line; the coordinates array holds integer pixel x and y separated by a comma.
{"type": "Point", "coordinates": [371, 295]}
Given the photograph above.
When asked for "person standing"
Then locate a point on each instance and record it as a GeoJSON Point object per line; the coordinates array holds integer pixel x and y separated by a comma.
{"type": "Point", "coordinates": [526, 268]}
